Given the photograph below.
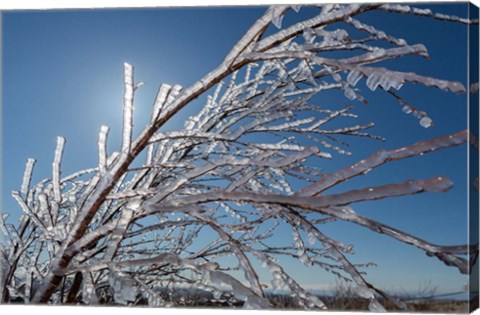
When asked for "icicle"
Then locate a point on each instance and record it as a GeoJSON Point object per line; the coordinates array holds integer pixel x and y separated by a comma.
{"type": "Point", "coordinates": [385, 80]}
{"type": "Point", "coordinates": [102, 149]}
{"type": "Point", "coordinates": [397, 78]}
{"type": "Point", "coordinates": [27, 176]}
{"type": "Point", "coordinates": [56, 169]}
{"type": "Point", "coordinates": [373, 81]}
{"type": "Point", "coordinates": [396, 82]}
{"type": "Point", "coordinates": [354, 76]}
{"type": "Point", "coordinates": [127, 108]}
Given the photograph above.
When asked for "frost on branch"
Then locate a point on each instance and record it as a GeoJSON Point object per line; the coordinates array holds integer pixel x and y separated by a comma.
{"type": "Point", "coordinates": [202, 212]}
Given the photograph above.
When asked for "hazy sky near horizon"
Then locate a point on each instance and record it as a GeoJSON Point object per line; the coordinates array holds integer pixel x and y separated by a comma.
{"type": "Point", "coordinates": [62, 75]}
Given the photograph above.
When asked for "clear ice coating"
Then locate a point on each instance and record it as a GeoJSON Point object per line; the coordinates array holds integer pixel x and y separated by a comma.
{"type": "Point", "coordinates": [124, 288]}
{"type": "Point", "coordinates": [426, 122]}
{"type": "Point", "coordinates": [311, 238]}
{"type": "Point", "coordinates": [88, 290]}
{"type": "Point", "coordinates": [365, 292]}
{"type": "Point", "coordinates": [160, 100]}
{"type": "Point", "coordinates": [349, 93]}
{"type": "Point", "coordinates": [277, 17]}
{"type": "Point", "coordinates": [407, 109]}
{"type": "Point", "coordinates": [296, 7]}
{"type": "Point", "coordinates": [27, 176]}
{"type": "Point", "coordinates": [389, 80]}
{"type": "Point", "coordinates": [375, 306]}
{"type": "Point", "coordinates": [374, 32]}
{"type": "Point", "coordinates": [56, 169]}
{"type": "Point", "coordinates": [373, 80]}
{"type": "Point", "coordinates": [437, 184]}
{"type": "Point", "coordinates": [422, 11]}
{"type": "Point", "coordinates": [127, 107]}
{"type": "Point", "coordinates": [102, 149]}
{"type": "Point", "coordinates": [354, 76]}
{"type": "Point", "coordinates": [309, 35]}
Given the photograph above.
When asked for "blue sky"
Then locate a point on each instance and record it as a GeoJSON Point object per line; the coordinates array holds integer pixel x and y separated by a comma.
{"type": "Point", "coordinates": [62, 75]}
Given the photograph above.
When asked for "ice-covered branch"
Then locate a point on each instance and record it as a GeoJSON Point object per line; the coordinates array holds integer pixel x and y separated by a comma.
{"type": "Point", "coordinates": [406, 9]}
{"type": "Point", "coordinates": [160, 100]}
{"type": "Point", "coordinates": [315, 22]}
{"type": "Point", "coordinates": [102, 149]}
{"type": "Point", "coordinates": [127, 107]}
{"type": "Point", "coordinates": [437, 184]}
{"type": "Point", "coordinates": [383, 157]}
{"type": "Point", "coordinates": [56, 169]}
{"type": "Point", "coordinates": [27, 177]}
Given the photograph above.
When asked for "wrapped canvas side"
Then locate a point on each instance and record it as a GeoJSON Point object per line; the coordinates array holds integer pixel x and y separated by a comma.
{"type": "Point", "coordinates": [473, 72]}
